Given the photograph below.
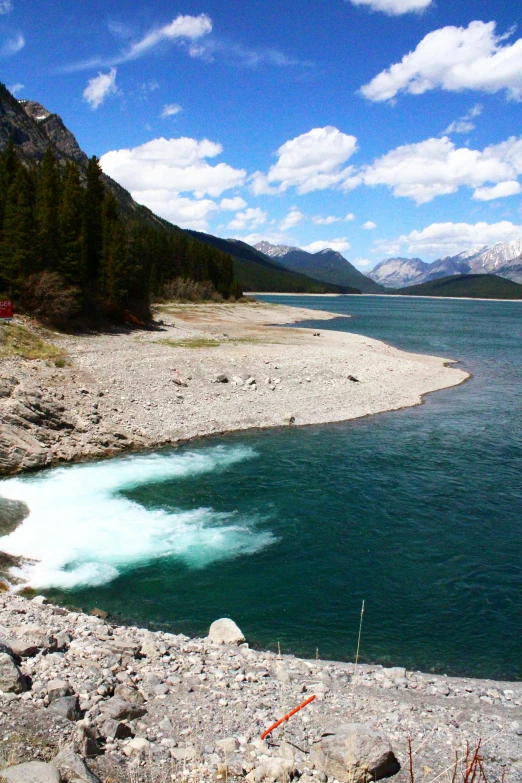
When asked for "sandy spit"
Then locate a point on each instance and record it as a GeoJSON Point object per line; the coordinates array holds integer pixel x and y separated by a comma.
{"type": "Point", "coordinates": [160, 387]}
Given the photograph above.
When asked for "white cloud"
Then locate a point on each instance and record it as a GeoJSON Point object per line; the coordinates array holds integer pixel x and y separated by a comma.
{"type": "Point", "coordinates": [232, 204]}
{"type": "Point", "coordinates": [251, 58]}
{"type": "Point", "coordinates": [394, 7]}
{"type": "Point", "coordinates": [174, 165]}
{"type": "Point", "coordinates": [6, 6]}
{"type": "Point", "coordinates": [183, 211]}
{"type": "Point", "coordinates": [369, 225]}
{"type": "Point", "coordinates": [362, 261]}
{"type": "Point", "coordinates": [312, 161]}
{"type": "Point", "coordinates": [99, 87]}
{"type": "Point", "coordinates": [436, 167]}
{"type": "Point", "coordinates": [448, 239]}
{"type": "Point", "coordinates": [12, 45]}
{"type": "Point", "coordinates": [464, 124]}
{"type": "Point", "coordinates": [340, 245]}
{"type": "Point", "coordinates": [249, 219]}
{"type": "Point", "coordinates": [16, 88]}
{"type": "Point", "coordinates": [171, 109]}
{"type": "Point", "coordinates": [327, 221]}
{"type": "Point", "coordinates": [503, 189]}
{"type": "Point", "coordinates": [188, 27]}
{"type": "Point", "coordinates": [293, 218]}
{"type": "Point", "coordinates": [181, 30]}
{"type": "Point", "coordinates": [454, 59]}
{"type": "Point", "coordinates": [274, 237]}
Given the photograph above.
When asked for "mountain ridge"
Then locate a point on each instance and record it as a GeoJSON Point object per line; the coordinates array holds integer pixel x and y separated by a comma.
{"type": "Point", "coordinates": [327, 265]}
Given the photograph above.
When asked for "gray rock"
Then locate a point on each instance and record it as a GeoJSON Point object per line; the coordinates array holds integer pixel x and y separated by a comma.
{"type": "Point", "coordinates": [70, 765]}
{"type": "Point", "coordinates": [129, 694]}
{"type": "Point", "coordinates": [12, 514]}
{"type": "Point", "coordinates": [31, 772]}
{"type": "Point", "coordinates": [221, 378]}
{"type": "Point", "coordinates": [225, 631]}
{"type": "Point", "coordinates": [11, 678]}
{"type": "Point", "coordinates": [113, 729]}
{"type": "Point", "coordinates": [66, 707]}
{"type": "Point", "coordinates": [57, 689]}
{"type": "Point", "coordinates": [119, 709]}
{"type": "Point", "coordinates": [84, 740]}
{"type": "Point", "coordinates": [354, 753]}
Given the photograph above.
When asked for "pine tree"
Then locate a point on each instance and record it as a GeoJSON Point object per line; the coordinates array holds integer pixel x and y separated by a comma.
{"type": "Point", "coordinates": [46, 213]}
{"type": "Point", "coordinates": [9, 168]}
{"type": "Point", "coordinates": [92, 232]}
{"type": "Point", "coordinates": [17, 250]}
{"type": "Point", "coordinates": [70, 219]}
{"type": "Point", "coordinates": [113, 270]}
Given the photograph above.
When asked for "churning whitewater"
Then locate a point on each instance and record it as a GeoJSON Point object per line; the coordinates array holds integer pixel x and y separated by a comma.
{"type": "Point", "coordinates": [83, 531]}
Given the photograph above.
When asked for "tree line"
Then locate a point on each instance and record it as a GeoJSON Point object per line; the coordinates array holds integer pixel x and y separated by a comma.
{"type": "Point", "coordinates": [64, 237]}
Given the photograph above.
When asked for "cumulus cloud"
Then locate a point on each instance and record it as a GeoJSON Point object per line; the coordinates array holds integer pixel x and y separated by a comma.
{"type": "Point", "coordinates": [99, 87]}
{"type": "Point", "coordinates": [327, 221]}
{"type": "Point", "coordinates": [177, 165]}
{"type": "Point", "coordinates": [158, 172]}
{"type": "Point", "coordinates": [181, 210]}
{"type": "Point", "coordinates": [249, 219]}
{"type": "Point", "coordinates": [503, 189]}
{"type": "Point", "coordinates": [454, 59]}
{"type": "Point", "coordinates": [171, 109]}
{"type": "Point", "coordinates": [369, 225]}
{"type": "Point", "coordinates": [293, 218]}
{"type": "Point", "coordinates": [362, 261]}
{"type": "Point", "coordinates": [312, 161]}
{"type": "Point", "coordinates": [12, 45]}
{"type": "Point", "coordinates": [449, 239]}
{"type": "Point", "coordinates": [6, 6]}
{"type": "Point", "coordinates": [232, 204]}
{"type": "Point", "coordinates": [340, 245]}
{"type": "Point", "coordinates": [436, 167]}
{"type": "Point", "coordinates": [394, 7]}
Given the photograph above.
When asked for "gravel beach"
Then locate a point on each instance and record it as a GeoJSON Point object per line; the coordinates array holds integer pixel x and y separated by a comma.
{"type": "Point", "coordinates": [206, 369]}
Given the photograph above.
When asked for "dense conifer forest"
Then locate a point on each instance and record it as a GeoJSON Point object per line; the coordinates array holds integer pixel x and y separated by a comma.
{"type": "Point", "coordinates": [67, 249]}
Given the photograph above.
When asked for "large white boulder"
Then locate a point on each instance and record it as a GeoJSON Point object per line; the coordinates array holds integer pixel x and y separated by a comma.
{"type": "Point", "coordinates": [225, 631]}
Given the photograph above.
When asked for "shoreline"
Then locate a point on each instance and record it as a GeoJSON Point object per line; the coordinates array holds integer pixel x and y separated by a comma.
{"type": "Point", "coordinates": [133, 391]}
{"type": "Point", "coordinates": [199, 706]}
{"type": "Point", "coordinates": [387, 296]}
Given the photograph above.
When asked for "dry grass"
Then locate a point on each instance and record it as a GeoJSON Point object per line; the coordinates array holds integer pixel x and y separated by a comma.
{"type": "Point", "coordinates": [17, 340]}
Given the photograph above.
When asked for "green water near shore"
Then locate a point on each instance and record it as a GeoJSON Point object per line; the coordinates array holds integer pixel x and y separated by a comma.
{"type": "Point", "coordinates": [418, 512]}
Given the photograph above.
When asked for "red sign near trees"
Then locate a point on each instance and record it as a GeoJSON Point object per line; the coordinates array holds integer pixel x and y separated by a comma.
{"type": "Point", "coordinates": [6, 309]}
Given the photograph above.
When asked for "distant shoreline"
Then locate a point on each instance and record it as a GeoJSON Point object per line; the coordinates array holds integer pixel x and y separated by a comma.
{"type": "Point", "coordinates": [386, 296]}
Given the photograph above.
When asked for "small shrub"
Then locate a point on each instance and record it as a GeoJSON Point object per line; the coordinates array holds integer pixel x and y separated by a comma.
{"type": "Point", "coordinates": [46, 296]}
{"type": "Point", "coordinates": [183, 290]}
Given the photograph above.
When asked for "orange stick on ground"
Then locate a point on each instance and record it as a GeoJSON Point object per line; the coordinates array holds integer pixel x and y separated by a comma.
{"type": "Point", "coordinates": [288, 715]}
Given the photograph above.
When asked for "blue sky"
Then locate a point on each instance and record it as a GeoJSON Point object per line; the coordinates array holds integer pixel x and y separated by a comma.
{"type": "Point", "coordinates": [377, 127]}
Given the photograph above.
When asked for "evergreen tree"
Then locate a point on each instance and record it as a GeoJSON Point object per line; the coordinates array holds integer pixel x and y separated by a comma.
{"type": "Point", "coordinates": [47, 203]}
{"type": "Point", "coordinates": [70, 220]}
{"type": "Point", "coordinates": [9, 168]}
{"type": "Point", "coordinates": [92, 232]}
{"type": "Point", "coordinates": [113, 271]}
{"type": "Point", "coordinates": [17, 250]}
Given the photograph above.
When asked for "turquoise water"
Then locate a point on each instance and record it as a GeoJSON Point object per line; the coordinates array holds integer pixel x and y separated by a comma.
{"type": "Point", "coordinates": [418, 512]}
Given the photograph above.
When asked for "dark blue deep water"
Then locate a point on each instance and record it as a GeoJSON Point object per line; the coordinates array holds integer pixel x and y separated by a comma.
{"type": "Point", "coordinates": [418, 512]}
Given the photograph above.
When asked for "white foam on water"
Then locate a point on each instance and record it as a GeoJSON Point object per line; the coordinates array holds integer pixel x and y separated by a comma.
{"type": "Point", "coordinates": [82, 531]}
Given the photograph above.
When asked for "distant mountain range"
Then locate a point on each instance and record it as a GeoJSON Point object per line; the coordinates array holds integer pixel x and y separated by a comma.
{"type": "Point", "coordinates": [504, 260]}
{"type": "Point", "coordinates": [327, 265]}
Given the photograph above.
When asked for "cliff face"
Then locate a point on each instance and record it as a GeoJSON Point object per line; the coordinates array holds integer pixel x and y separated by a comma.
{"type": "Point", "coordinates": [55, 131]}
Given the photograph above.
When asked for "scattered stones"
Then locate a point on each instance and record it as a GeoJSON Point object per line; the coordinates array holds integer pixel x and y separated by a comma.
{"type": "Point", "coordinates": [225, 631]}
{"type": "Point", "coordinates": [66, 707]}
{"type": "Point", "coordinates": [56, 689]}
{"type": "Point", "coordinates": [354, 753]}
{"type": "Point", "coordinates": [119, 709]}
{"type": "Point", "coordinates": [72, 766]}
{"type": "Point", "coordinates": [221, 378]}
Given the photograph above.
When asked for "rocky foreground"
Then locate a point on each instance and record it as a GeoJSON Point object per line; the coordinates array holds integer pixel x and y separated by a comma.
{"type": "Point", "coordinates": [205, 369]}
{"type": "Point", "coordinates": [84, 700]}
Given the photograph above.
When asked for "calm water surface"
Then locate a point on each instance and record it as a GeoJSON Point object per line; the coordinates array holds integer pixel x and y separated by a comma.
{"type": "Point", "coordinates": [418, 512]}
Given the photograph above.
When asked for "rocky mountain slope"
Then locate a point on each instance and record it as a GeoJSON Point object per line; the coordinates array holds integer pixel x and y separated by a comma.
{"type": "Point", "coordinates": [503, 259]}
{"type": "Point", "coordinates": [327, 265]}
